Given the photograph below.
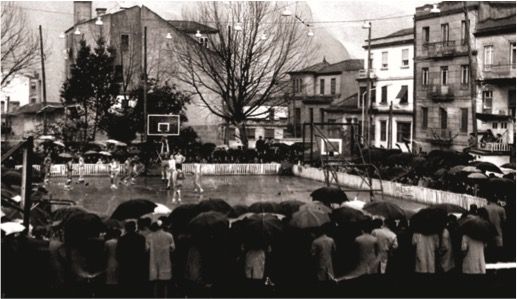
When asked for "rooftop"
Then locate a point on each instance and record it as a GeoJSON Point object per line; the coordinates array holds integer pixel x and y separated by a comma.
{"type": "Point", "coordinates": [191, 27]}
{"type": "Point", "coordinates": [496, 25]}
{"type": "Point", "coordinates": [326, 68]}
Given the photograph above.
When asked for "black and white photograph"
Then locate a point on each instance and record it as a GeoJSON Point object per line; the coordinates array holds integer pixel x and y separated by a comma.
{"type": "Point", "coordinates": [258, 149]}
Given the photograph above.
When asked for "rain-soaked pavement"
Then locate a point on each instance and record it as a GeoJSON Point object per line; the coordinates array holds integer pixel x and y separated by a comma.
{"type": "Point", "coordinates": [98, 197]}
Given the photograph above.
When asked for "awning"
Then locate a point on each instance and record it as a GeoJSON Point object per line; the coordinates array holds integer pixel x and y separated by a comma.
{"type": "Point", "coordinates": [493, 117]}
{"type": "Point", "coordinates": [402, 93]}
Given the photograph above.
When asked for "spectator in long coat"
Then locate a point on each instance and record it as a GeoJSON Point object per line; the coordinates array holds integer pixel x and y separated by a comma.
{"type": "Point", "coordinates": [497, 217]}
{"type": "Point", "coordinates": [323, 250]}
{"type": "Point", "coordinates": [426, 248]}
{"type": "Point", "coordinates": [474, 259]}
{"type": "Point", "coordinates": [368, 249]}
{"type": "Point", "coordinates": [131, 255]}
{"type": "Point", "coordinates": [387, 242]}
{"type": "Point", "coordinates": [160, 245]}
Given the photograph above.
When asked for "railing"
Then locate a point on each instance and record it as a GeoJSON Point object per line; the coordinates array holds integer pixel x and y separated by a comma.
{"type": "Point", "coordinates": [494, 146]}
{"type": "Point", "coordinates": [206, 169]}
{"type": "Point", "coordinates": [498, 71]}
{"type": "Point", "coordinates": [445, 48]}
{"type": "Point", "coordinates": [444, 93]}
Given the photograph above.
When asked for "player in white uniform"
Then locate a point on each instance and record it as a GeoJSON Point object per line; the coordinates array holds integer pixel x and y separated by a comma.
{"type": "Point", "coordinates": [114, 167]}
{"type": "Point", "coordinates": [197, 178]}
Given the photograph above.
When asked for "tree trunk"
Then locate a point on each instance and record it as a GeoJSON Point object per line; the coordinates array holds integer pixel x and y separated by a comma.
{"type": "Point", "coordinates": [243, 135]}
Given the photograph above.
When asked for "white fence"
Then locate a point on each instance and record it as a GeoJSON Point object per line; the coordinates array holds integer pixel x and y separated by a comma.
{"type": "Point", "coordinates": [409, 192]}
{"type": "Point", "coordinates": [206, 169]}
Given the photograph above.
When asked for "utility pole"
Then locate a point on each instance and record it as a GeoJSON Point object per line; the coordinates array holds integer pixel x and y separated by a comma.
{"type": "Point", "coordinates": [390, 127]}
{"type": "Point", "coordinates": [145, 84]}
{"type": "Point", "coordinates": [42, 58]}
{"type": "Point", "coordinates": [368, 88]}
{"type": "Point", "coordinates": [472, 74]}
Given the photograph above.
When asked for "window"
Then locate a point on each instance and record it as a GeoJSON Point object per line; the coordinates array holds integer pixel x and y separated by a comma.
{"type": "Point", "coordinates": [487, 101]}
{"type": "Point", "coordinates": [425, 112]}
{"type": "Point", "coordinates": [488, 55]}
{"type": "Point", "coordinates": [384, 60]}
{"type": "Point", "coordinates": [300, 85]}
{"type": "Point", "coordinates": [443, 118]}
{"type": "Point", "coordinates": [512, 54]}
{"type": "Point", "coordinates": [362, 95]}
{"type": "Point", "coordinates": [511, 102]}
{"type": "Point", "coordinates": [331, 120]}
{"type": "Point", "coordinates": [269, 133]}
{"type": "Point", "coordinates": [383, 130]}
{"type": "Point", "coordinates": [425, 34]}
{"type": "Point", "coordinates": [322, 115]}
{"type": "Point", "coordinates": [403, 94]}
{"type": "Point", "coordinates": [250, 133]}
{"type": "Point", "coordinates": [119, 78]}
{"type": "Point", "coordinates": [463, 32]}
{"type": "Point", "coordinates": [33, 85]}
{"type": "Point", "coordinates": [464, 120]}
{"type": "Point", "coordinates": [33, 101]}
{"type": "Point", "coordinates": [203, 41]}
{"type": "Point", "coordinates": [384, 94]}
{"type": "Point", "coordinates": [403, 131]}
{"type": "Point", "coordinates": [322, 86]}
{"type": "Point", "coordinates": [405, 57]}
{"type": "Point", "coordinates": [271, 115]}
{"type": "Point", "coordinates": [373, 93]}
{"type": "Point", "coordinates": [311, 114]}
{"type": "Point", "coordinates": [464, 74]}
{"type": "Point", "coordinates": [425, 76]}
{"type": "Point", "coordinates": [444, 75]}
{"type": "Point", "coordinates": [504, 125]}
{"type": "Point", "coordinates": [445, 32]}
{"type": "Point", "coordinates": [124, 42]}
{"type": "Point", "coordinates": [333, 86]}
{"type": "Point", "coordinates": [494, 125]}
{"type": "Point", "coordinates": [297, 115]}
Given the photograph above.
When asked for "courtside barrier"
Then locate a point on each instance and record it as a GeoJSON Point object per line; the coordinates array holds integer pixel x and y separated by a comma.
{"type": "Point", "coordinates": [206, 169]}
{"type": "Point", "coordinates": [409, 192]}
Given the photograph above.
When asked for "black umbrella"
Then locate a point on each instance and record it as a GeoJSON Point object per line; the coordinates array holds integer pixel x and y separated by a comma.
{"type": "Point", "coordinates": [61, 216]}
{"type": "Point", "coordinates": [81, 227]}
{"type": "Point", "coordinates": [329, 195]}
{"type": "Point", "coordinates": [498, 188]}
{"type": "Point", "coordinates": [180, 217]}
{"type": "Point", "coordinates": [91, 153]}
{"type": "Point", "coordinates": [208, 224]}
{"type": "Point", "coordinates": [476, 228]}
{"type": "Point", "coordinates": [289, 207]}
{"type": "Point", "coordinates": [450, 208]}
{"type": "Point", "coordinates": [133, 208]}
{"type": "Point", "coordinates": [346, 215]}
{"type": "Point", "coordinates": [487, 166]}
{"type": "Point", "coordinates": [429, 221]}
{"type": "Point", "coordinates": [239, 210]}
{"type": "Point", "coordinates": [385, 209]}
{"type": "Point", "coordinates": [215, 204]}
{"type": "Point", "coordinates": [260, 228]}
{"type": "Point", "coordinates": [12, 177]}
{"type": "Point", "coordinates": [263, 207]}
{"type": "Point", "coordinates": [508, 166]}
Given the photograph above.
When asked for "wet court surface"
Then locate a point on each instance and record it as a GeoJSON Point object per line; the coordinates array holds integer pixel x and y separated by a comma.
{"type": "Point", "coordinates": [98, 197]}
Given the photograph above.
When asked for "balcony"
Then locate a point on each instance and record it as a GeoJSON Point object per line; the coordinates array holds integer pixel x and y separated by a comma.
{"type": "Point", "coordinates": [493, 147]}
{"type": "Point", "coordinates": [440, 137]}
{"type": "Point", "coordinates": [362, 75]}
{"type": "Point", "coordinates": [498, 71]}
{"type": "Point", "coordinates": [445, 49]}
{"type": "Point", "coordinates": [441, 93]}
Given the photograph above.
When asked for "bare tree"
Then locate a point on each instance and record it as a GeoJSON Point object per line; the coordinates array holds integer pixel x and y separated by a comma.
{"type": "Point", "coordinates": [19, 44]}
{"type": "Point", "coordinates": [242, 68]}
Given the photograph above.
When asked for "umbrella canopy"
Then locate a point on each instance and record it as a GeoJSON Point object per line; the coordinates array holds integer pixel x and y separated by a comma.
{"type": "Point", "coordinates": [263, 207]}
{"type": "Point", "coordinates": [309, 218]}
{"type": "Point", "coordinates": [81, 227]}
{"type": "Point", "coordinates": [59, 143]}
{"type": "Point", "coordinates": [91, 153]}
{"type": "Point", "coordinates": [450, 208]}
{"type": "Point", "coordinates": [159, 211]}
{"type": "Point", "coordinates": [471, 169]}
{"type": "Point", "coordinates": [47, 137]}
{"type": "Point", "coordinates": [134, 208]}
{"type": "Point", "coordinates": [385, 209]}
{"type": "Point", "coordinates": [456, 169]}
{"type": "Point", "coordinates": [317, 206]}
{"type": "Point", "coordinates": [498, 188]}
{"type": "Point", "coordinates": [260, 228]}
{"type": "Point", "coordinates": [346, 215]}
{"type": "Point", "coordinates": [354, 204]}
{"type": "Point", "coordinates": [180, 217]}
{"type": "Point", "coordinates": [476, 228]}
{"type": "Point", "coordinates": [329, 195]}
{"type": "Point", "coordinates": [12, 228]}
{"type": "Point", "coordinates": [429, 221]}
{"type": "Point", "coordinates": [487, 166]}
{"type": "Point", "coordinates": [61, 216]}
{"type": "Point", "coordinates": [11, 177]}
{"type": "Point", "coordinates": [116, 142]}
{"type": "Point", "coordinates": [289, 207]}
{"type": "Point", "coordinates": [477, 176]}
{"type": "Point", "coordinates": [215, 204]}
{"type": "Point", "coordinates": [208, 223]}
{"type": "Point", "coordinates": [105, 153]}
{"type": "Point", "coordinates": [508, 166]}
{"type": "Point", "coordinates": [66, 156]}
{"type": "Point", "coordinates": [239, 210]}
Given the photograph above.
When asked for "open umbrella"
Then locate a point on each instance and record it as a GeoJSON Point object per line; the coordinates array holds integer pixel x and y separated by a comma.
{"type": "Point", "coordinates": [47, 138]}
{"type": "Point", "coordinates": [208, 223]}
{"type": "Point", "coordinates": [12, 228]}
{"type": "Point", "coordinates": [317, 206]}
{"type": "Point", "coordinates": [59, 143]}
{"type": "Point", "coordinates": [487, 166]}
{"type": "Point", "coordinates": [81, 227]}
{"type": "Point", "coordinates": [450, 208]}
{"type": "Point", "coordinates": [159, 211]}
{"type": "Point", "coordinates": [11, 177]}
{"type": "Point", "coordinates": [508, 166]}
{"type": "Point", "coordinates": [289, 207]}
{"type": "Point", "coordinates": [429, 221]}
{"type": "Point", "coordinates": [180, 217]}
{"type": "Point", "coordinates": [66, 155]}
{"type": "Point", "coordinates": [476, 228]}
{"type": "Point", "coordinates": [263, 207]}
{"type": "Point", "coordinates": [456, 169]}
{"type": "Point", "coordinates": [309, 218]}
{"type": "Point", "coordinates": [329, 195]}
{"type": "Point", "coordinates": [116, 142]}
{"type": "Point", "coordinates": [61, 216]}
{"type": "Point", "coordinates": [133, 208]}
{"type": "Point", "coordinates": [91, 153]}
{"type": "Point", "coordinates": [354, 204]}
{"type": "Point", "coordinates": [105, 153]}
{"type": "Point", "coordinates": [471, 169]}
{"type": "Point", "coordinates": [385, 209]}
{"type": "Point", "coordinates": [498, 188]}
{"type": "Point", "coordinates": [239, 210]}
{"type": "Point", "coordinates": [215, 204]}
{"type": "Point", "coordinates": [260, 228]}
{"type": "Point", "coordinates": [346, 215]}
{"type": "Point", "coordinates": [477, 177]}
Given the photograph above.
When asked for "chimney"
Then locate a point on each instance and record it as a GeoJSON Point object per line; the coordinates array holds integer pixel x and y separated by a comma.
{"type": "Point", "coordinates": [100, 11]}
{"type": "Point", "coordinates": [82, 11]}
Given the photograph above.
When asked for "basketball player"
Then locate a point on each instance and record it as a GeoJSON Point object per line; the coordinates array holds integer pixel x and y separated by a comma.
{"type": "Point", "coordinates": [81, 169]}
{"type": "Point", "coordinates": [197, 178]}
{"type": "Point", "coordinates": [114, 168]}
{"type": "Point", "coordinates": [164, 155]}
{"type": "Point", "coordinates": [171, 172]}
{"type": "Point", "coordinates": [69, 166]}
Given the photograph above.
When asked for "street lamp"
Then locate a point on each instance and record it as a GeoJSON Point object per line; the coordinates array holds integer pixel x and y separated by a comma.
{"type": "Point", "coordinates": [435, 9]}
{"type": "Point", "coordinates": [169, 36]}
{"type": "Point", "coordinates": [77, 32]}
{"type": "Point", "coordinates": [198, 34]}
{"type": "Point", "coordinates": [99, 21]}
{"type": "Point", "coordinates": [286, 12]}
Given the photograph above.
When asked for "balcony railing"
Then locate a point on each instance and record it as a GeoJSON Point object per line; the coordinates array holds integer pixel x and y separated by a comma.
{"type": "Point", "coordinates": [499, 71]}
{"type": "Point", "coordinates": [493, 146]}
{"type": "Point", "coordinates": [362, 74]}
{"type": "Point", "coordinates": [445, 48]}
{"type": "Point", "coordinates": [441, 93]}
{"type": "Point", "coordinates": [442, 137]}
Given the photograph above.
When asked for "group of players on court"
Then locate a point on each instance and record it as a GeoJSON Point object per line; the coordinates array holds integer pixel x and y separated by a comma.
{"type": "Point", "coordinates": [171, 164]}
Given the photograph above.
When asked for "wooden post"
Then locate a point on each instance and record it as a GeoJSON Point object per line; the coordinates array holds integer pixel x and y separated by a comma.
{"type": "Point", "coordinates": [390, 127]}
{"type": "Point", "coordinates": [27, 183]}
